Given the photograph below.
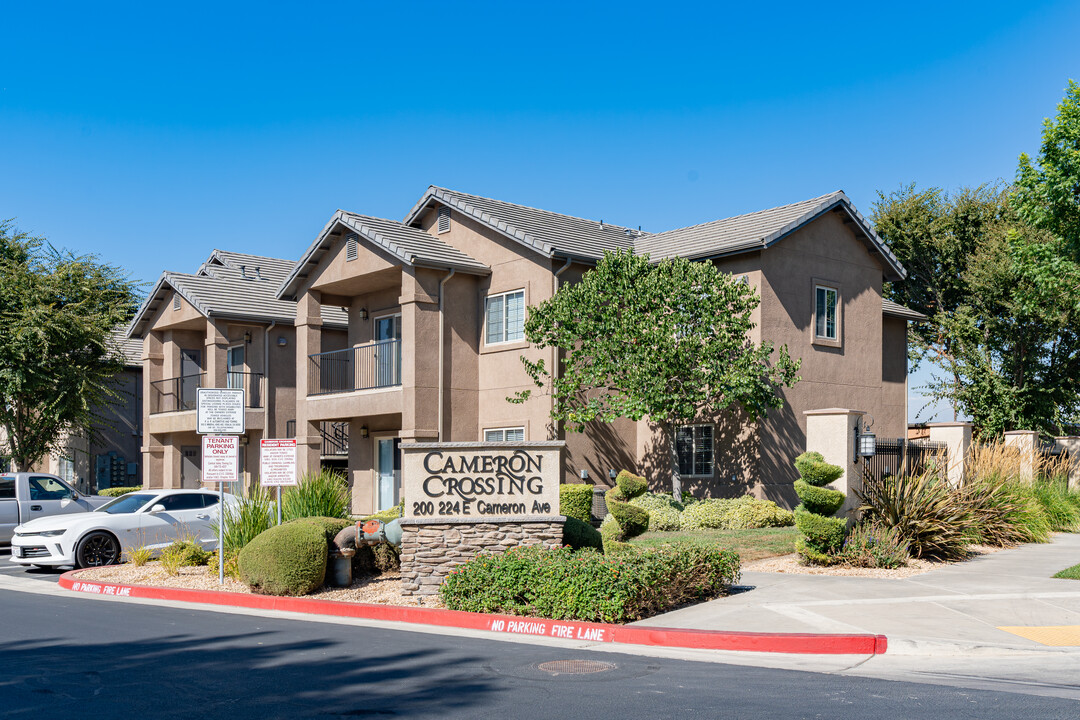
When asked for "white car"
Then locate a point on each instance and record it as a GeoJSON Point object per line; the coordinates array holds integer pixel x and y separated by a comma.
{"type": "Point", "coordinates": [146, 518]}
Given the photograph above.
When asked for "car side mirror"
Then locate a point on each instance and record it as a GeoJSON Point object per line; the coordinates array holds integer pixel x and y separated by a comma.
{"type": "Point", "coordinates": [159, 508]}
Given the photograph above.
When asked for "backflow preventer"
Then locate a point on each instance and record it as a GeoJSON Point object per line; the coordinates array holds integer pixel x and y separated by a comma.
{"type": "Point", "coordinates": [372, 532]}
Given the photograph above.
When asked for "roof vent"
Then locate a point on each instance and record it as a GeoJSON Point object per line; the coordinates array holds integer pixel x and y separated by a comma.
{"type": "Point", "coordinates": [629, 232]}
{"type": "Point", "coordinates": [351, 251]}
{"type": "Point", "coordinates": [444, 219]}
{"type": "Point", "coordinates": [601, 224]}
{"type": "Point", "coordinates": [176, 301]}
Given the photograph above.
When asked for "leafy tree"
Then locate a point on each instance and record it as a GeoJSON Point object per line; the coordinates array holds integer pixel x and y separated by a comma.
{"type": "Point", "coordinates": [1047, 193]}
{"type": "Point", "coordinates": [1001, 297]}
{"type": "Point", "coordinates": [667, 340]}
{"type": "Point", "coordinates": [56, 312]}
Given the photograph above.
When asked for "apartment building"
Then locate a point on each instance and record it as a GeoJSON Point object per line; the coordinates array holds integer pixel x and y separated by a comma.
{"type": "Point", "coordinates": [433, 336]}
{"type": "Point", "coordinates": [220, 327]}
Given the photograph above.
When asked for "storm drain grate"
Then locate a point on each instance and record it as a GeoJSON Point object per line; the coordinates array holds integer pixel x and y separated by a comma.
{"type": "Point", "coordinates": [575, 667]}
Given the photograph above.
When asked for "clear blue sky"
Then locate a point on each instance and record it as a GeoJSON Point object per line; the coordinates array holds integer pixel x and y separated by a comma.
{"type": "Point", "coordinates": [150, 134]}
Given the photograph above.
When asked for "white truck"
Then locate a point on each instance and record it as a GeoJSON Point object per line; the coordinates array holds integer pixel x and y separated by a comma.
{"type": "Point", "coordinates": [28, 495]}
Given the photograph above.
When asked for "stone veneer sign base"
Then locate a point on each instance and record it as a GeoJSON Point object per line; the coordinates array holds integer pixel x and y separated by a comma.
{"type": "Point", "coordinates": [462, 499]}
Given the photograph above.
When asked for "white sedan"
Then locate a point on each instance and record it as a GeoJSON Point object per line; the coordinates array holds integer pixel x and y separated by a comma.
{"type": "Point", "coordinates": [147, 518]}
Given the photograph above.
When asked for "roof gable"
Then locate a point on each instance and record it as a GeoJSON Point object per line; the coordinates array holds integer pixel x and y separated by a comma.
{"type": "Point", "coordinates": [548, 233]}
{"type": "Point", "coordinates": [407, 244]}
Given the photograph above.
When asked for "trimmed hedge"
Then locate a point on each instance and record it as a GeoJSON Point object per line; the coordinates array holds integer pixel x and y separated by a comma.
{"type": "Point", "coordinates": [815, 471]}
{"type": "Point", "coordinates": [820, 500]}
{"type": "Point", "coordinates": [578, 535]}
{"type": "Point", "coordinates": [664, 512]}
{"type": "Point", "coordinates": [287, 559]}
{"type": "Point", "coordinates": [118, 491]}
{"type": "Point", "coordinates": [330, 526]}
{"type": "Point", "coordinates": [575, 500]}
{"type": "Point", "coordinates": [630, 485]}
{"type": "Point", "coordinates": [741, 513]}
{"type": "Point", "coordinates": [565, 585]}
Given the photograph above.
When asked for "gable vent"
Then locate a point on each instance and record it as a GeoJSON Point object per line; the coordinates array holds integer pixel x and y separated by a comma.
{"type": "Point", "coordinates": [350, 247]}
{"type": "Point", "coordinates": [176, 301]}
{"type": "Point", "coordinates": [444, 219]}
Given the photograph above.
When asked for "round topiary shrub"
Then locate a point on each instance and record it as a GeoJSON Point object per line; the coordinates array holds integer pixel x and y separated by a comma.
{"type": "Point", "coordinates": [578, 535]}
{"type": "Point", "coordinates": [632, 520]}
{"type": "Point", "coordinates": [630, 485]}
{"type": "Point", "coordinates": [575, 500]}
{"type": "Point", "coordinates": [287, 559]}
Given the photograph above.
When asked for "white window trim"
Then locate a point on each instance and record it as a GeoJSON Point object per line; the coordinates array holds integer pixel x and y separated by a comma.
{"type": "Point", "coordinates": [819, 284]}
{"type": "Point", "coordinates": [503, 430]}
{"type": "Point", "coordinates": [382, 316]}
{"type": "Point", "coordinates": [693, 452]}
{"type": "Point", "coordinates": [524, 305]}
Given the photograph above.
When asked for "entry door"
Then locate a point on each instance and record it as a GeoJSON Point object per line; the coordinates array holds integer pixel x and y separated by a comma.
{"type": "Point", "coordinates": [234, 362]}
{"type": "Point", "coordinates": [191, 466]}
{"type": "Point", "coordinates": [190, 369]}
{"type": "Point", "coordinates": [387, 353]}
{"type": "Point", "coordinates": [388, 470]}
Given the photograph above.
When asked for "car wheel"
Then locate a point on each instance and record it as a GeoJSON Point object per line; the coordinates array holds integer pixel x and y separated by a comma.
{"type": "Point", "coordinates": [96, 549]}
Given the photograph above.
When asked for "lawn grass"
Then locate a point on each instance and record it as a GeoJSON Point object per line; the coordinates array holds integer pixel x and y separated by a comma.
{"type": "Point", "coordinates": [751, 545]}
{"type": "Point", "coordinates": [1072, 573]}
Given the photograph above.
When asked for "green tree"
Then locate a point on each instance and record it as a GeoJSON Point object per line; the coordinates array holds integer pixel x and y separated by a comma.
{"type": "Point", "coordinates": [668, 340]}
{"type": "Point", "coordinates": [1001, 297]}
{"type": "Point", "coordinates": [56, 313]}
{"type": "Point", "coordinates": [1047, 192]}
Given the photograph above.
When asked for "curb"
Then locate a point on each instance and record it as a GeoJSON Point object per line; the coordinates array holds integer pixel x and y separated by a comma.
{"type": "Point", "coordinates": [798, 643]}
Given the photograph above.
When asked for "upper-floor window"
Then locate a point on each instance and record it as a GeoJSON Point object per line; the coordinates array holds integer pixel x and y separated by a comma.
{"type": "Point", "coordinates": [505, 435]}
{"type": "Point", "coordinates": [826, 314]}
{"type": "Point", "coordinates": [694, 447]}
{"type": "Point", "coordinates": [505, 317]}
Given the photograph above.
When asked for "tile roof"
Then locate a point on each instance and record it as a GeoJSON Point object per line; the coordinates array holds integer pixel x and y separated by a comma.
{"type": "Point", "coordinates": [549, 233]}
{"type": "Point", "coordinates": [408, 244]}
{"type": "Point", "coordinates": [130, 348]}
{"type": "Point", "coordinates": [888, 307]}
{"type": "Point", "coordinates": [231, 285]}
{"type": "Point", "coordinates": [758, 230]}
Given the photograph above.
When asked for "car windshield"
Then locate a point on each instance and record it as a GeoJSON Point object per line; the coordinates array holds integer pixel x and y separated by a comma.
{"type": "Point", "coordinates": [126, 503]}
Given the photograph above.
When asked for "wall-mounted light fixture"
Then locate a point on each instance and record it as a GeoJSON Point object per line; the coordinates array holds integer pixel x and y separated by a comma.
{"type": "Point", "coordinates": [363, 431]}
{"type": "Point", "coordinates": [611, 474]}
{"type": "Point", "coordinates": [282, 341]}
{"type": "Point", "coordinates": [247, 336]}
{"type": "Point", "coordinates": [865, 441]}
{"type": "Point", "coordinates": [362, 314]}
{"type": "Point", "coordinates": [584, 474]}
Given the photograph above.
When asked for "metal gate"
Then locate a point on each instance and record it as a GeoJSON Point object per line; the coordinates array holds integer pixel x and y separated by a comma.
{"type": "Point", "coordinates": [896, 456]}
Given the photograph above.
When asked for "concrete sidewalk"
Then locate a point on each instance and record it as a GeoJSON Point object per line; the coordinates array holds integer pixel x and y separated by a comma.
{"type": "Point", "coordinates": [955, 609]}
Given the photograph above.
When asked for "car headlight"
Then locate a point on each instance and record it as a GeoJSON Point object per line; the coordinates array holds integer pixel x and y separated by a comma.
{"type": "Point", "coordinates": [52, 533]}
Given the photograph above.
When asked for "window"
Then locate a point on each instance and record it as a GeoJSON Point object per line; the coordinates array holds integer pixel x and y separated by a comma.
{"type": "Point", "coordinates": [234, 367]}
{"type": "Point", "coordinates": [694, 446]}
{"type": "Point", "coordinates": [67, 469]}
{"type": "Point", "coordinates": [47, 488]}
{"type": "Point", "coordinates": [192, 501]}
{"type": "Point", "coordinates": [444, 219]}
{"type": "Point", "coordinates": [505, 435]}
{"type": "Point", "coordinates": [506, 317]}
{"type": "Point", "coordinates": [7, 487]}
{"type": "Point", "coordinates": [826, 319]}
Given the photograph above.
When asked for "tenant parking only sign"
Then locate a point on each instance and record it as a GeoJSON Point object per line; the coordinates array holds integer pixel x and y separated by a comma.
{"type": "Point", "coordinates": [220, 454]}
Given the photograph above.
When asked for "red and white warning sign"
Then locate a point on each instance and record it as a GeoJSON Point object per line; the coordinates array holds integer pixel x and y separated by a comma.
{"type": "Point", "coordinates": [277, 463]}
{"type": "Point", "coordinates": [220, 455]}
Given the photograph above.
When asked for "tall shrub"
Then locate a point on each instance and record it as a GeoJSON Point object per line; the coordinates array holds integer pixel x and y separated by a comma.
{"type": "Point", "coordinates": [822, 535]}
{"type": "Point", "coordinates": [319, 494]}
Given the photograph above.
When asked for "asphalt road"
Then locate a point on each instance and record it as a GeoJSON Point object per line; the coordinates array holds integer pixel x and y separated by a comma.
{"type": "Point", "coordinates": [64, 657]}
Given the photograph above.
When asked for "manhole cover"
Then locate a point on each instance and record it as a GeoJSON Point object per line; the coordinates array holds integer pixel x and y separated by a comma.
{"type": "Point", "coordinates": [575, 667]}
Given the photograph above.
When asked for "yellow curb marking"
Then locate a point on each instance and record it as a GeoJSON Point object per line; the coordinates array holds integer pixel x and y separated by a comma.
{"type": "Point", "coordinates": [1056, 635]}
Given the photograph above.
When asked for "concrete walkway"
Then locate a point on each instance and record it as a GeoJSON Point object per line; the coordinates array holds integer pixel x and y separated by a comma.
{"type": "Point", "coordinates": [956, 608]}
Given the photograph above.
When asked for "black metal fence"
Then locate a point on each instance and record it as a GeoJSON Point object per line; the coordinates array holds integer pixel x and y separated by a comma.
{"type": "Point", "coordinates": [181, 393]}
{"type": "Point", "coordinates": [335, 436]}
{"type": "Point", "coordinates": [365, 367]}
{"type": "Point", "coordinates": [896, 456]}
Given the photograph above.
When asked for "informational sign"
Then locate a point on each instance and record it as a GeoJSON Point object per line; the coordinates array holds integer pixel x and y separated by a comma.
{"type": "Point", "coordinates": [277, 463]}
{"type": "Point", "coordinates": [220, 454]}
{"type": "Point", "coordinates": [220, 411]}
{"type": "Point", "coordinates": [477, 480]}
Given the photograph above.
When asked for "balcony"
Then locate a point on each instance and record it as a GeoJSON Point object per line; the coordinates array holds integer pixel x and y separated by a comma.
{"type": "Point", "coordinates": [335, 437]}
{"type": "Point", "coordinates": [365, 367]}
{"type": "Point", "coordinates": [180, 393]}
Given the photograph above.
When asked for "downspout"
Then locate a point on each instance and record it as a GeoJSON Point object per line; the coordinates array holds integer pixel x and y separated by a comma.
{"type": "Point", "coordinates": [555, 351]}
{"type": "Point", "coordinates": [266, 378]}
{"type": "Point", "coordinates": [442, 369]}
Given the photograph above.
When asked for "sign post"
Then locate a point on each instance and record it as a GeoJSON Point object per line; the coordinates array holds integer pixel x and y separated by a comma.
{"type": "Point", "coordinates": [277, 466]}
{"type": "Point", "coordinates": [220, 419]}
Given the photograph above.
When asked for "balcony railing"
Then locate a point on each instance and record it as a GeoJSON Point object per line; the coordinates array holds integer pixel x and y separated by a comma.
{"type": "Point", "coordinates": [173, 394]}
{"type": "Point", "coordinates": [366, 367]}
{"type": "Point", "coordinates": [181, 393]}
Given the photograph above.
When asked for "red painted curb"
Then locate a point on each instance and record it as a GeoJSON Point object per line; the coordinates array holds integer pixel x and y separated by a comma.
{"type": "Point", "coordinates": [801, 643]}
